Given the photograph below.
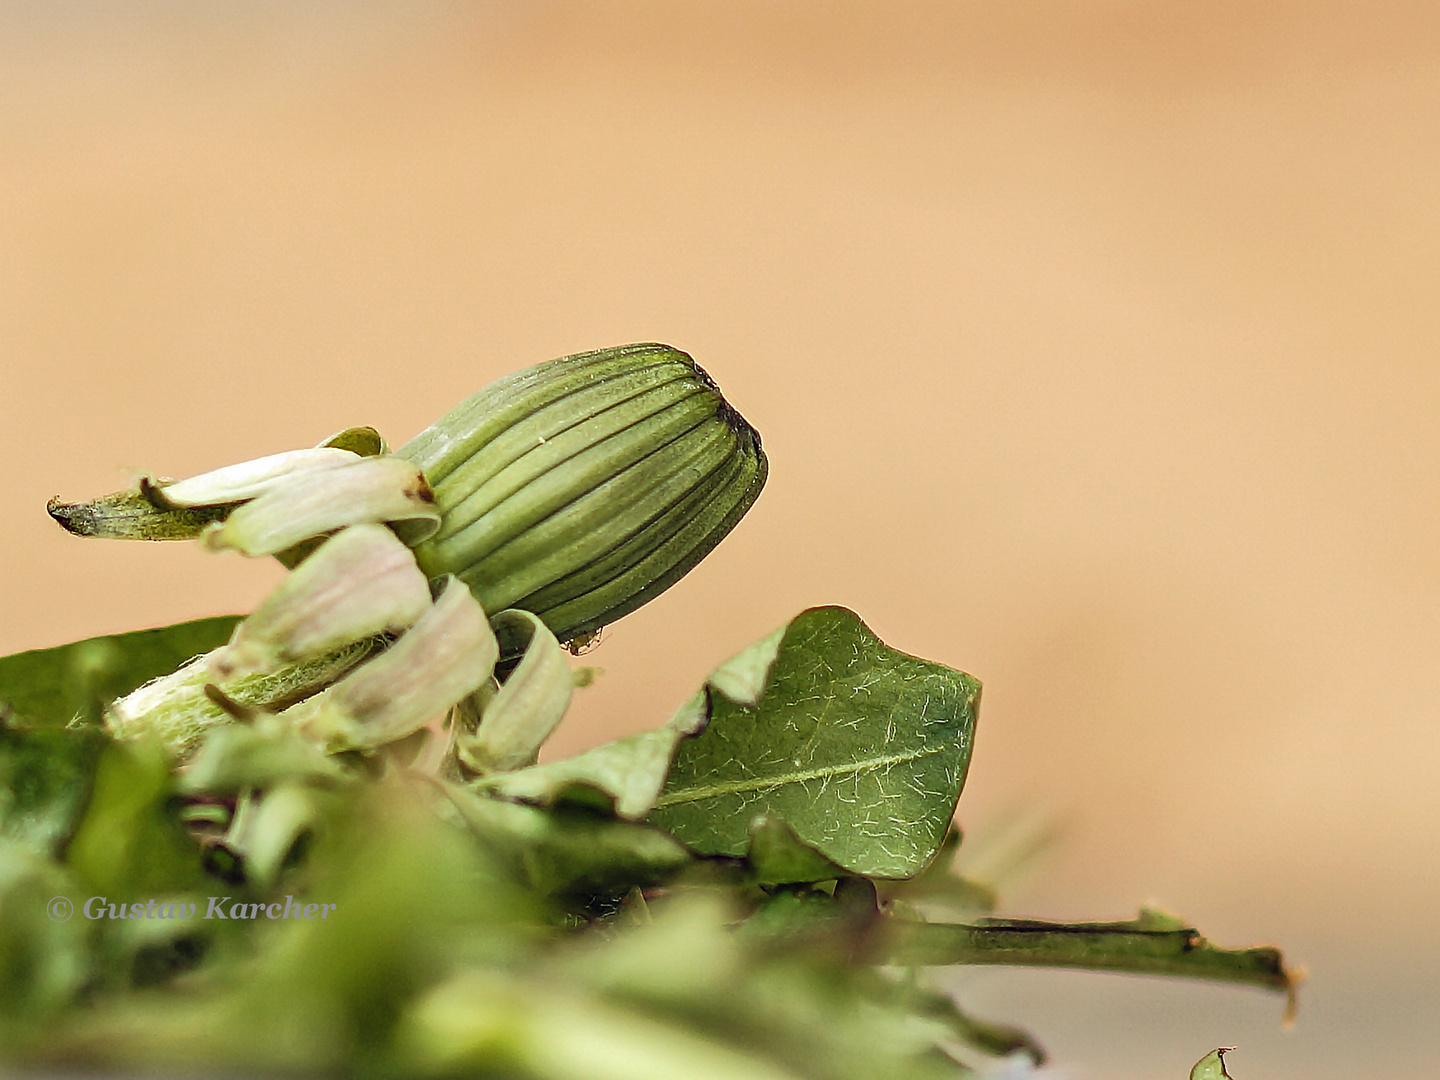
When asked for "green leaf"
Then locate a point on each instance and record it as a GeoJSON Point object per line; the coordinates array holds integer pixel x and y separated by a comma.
{"type": "Point", "coordinates": [50, 687]}
{"type": "Point", "coordinates": [129, 844]}
{"type": "Point", "coordinates": [44, 782]}
{"type": "Point", "coordinates": [777, 857]}
{"type": "Point", "coordinates": [860, 748]}
{"type": "Point", "coordinates": [1212, 1065]}
{"type": "Point", "coordinates": [571, 853]}
{"type": "Point", "coordinates": [625, 775]}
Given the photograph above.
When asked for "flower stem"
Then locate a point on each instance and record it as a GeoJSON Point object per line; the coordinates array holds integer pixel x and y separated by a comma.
{"type": "Point", "coordinates": [1121, 947]}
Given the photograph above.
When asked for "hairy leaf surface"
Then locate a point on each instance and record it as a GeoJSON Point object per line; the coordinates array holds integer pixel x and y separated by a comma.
{"type": "Point", "coordinates": [860, 748]}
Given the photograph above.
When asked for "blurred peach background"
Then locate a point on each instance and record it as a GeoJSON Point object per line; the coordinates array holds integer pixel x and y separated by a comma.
{"type": "Point", "coordinates": [1089, 340]}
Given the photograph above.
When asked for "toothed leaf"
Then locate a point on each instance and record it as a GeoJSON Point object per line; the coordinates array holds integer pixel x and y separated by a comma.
{"type": "Point", "coordinates": [861, 749]}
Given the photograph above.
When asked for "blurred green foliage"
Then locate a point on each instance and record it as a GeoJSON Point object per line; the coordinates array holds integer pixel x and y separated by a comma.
{"type": "Point", "coordinates": [263, 907]}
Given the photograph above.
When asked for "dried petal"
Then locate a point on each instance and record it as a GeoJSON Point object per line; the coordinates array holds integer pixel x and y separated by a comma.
{"type": "Point", "coordinates": [446, 655]}
{"type": "Point", "coordinates": [249, 479]}
{"type": "Point", "coordinates": [364, 490]}
{"type": "Point", "coordinates": [529, 705]}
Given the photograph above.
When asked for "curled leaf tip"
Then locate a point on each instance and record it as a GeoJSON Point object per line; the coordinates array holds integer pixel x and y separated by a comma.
{"type": "Point", "coordinates": [72, 517]}
{"type": "Point", "coordinates": [132, 515]}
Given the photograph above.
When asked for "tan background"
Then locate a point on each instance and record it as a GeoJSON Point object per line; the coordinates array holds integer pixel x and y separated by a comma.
{"type": "Point", "coordinates": [1093, 342]}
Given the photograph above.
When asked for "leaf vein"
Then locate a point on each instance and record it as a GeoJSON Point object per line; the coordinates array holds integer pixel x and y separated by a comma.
{"type": "Point", "coordinates": [700, 792]}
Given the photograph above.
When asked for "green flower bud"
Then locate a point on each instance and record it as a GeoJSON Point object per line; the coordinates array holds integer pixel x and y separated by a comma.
{"type": "Point", "coordinates": [582, 488]}
{"type": "Point", "coordinates": [572, 492]}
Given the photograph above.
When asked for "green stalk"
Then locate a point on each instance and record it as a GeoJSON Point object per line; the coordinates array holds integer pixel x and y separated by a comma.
{"type": "Point", "coordinates": [1119, 947]}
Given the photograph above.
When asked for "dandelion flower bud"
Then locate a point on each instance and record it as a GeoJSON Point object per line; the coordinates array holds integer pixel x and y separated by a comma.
{"type": "Point", "coordinates": [582, 488]}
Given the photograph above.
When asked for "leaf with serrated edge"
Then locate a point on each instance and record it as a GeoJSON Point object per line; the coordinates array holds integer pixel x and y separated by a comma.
{"type": "Point", "coordinates": [860, 748]}
{"type": "Point", "coordinates": [742, 678]}
{"type": "Point", "coordinates": [629, 772]}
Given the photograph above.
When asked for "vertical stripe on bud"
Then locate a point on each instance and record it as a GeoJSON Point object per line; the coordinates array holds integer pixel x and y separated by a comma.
{"type": "Point", "coordinates": [580, 489]}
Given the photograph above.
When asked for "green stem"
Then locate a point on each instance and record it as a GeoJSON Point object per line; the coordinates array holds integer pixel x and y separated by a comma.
{"type": "Point", "coordinates": [181, 707]}
{"type": "Point", "coordinates": [1120, 947]}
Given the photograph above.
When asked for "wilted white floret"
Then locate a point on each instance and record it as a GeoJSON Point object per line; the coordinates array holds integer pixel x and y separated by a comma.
{"type": "Point", "coordinates": [362, 581]}
{"type": "Point", "coordinates": [449, 653]}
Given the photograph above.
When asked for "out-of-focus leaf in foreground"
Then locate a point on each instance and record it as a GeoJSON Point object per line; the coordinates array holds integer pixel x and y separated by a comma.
{"type": "Point", "coordinates": [128, 844]}
{"type": "Point", "coordinates": [438, 959]}
{"type": "Point", "coordinates": [678, 996]}
{"type": "Point", "coordinates": [50, 687]}
{"type": "Point", "coordinates": [409, 899]}
{"type": "Point", "coordinates": [44, 782]}
{"type": "Point", "coordinates": [43, 959]}
{"type": "Point", "coordinates": [861, 749]}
